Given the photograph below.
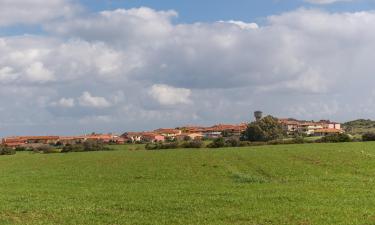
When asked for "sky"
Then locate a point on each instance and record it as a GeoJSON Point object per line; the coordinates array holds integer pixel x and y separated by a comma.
{"type": "Point", "coordinates": [72, 67]}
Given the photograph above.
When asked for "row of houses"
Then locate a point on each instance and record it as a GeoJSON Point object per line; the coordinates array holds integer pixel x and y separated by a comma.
{"type": "Point", "coordinates": [310, 128]}
{"type": "Point", "coordinates": [159, 135]}
{"type": "Point", "coordinates": [35, 141]}
{"type": "Point", "coordinates": [186, 132]}
{"type": "Point", "coordinates": [290, 126]}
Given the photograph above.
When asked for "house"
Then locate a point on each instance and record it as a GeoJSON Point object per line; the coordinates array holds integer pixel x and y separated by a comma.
{"type": "Point", "coordinates": [119, 140]}
{"type": "Point", "coordinates": [168, 133]}
{"type": "Point", "coordinates": [212, 134]}
{"type": "Point", "coordinates": [219, 130]}
{"type": "Point", "coordinates": [25, 141]}
{"type": "Point", "coordinates": [71, 140]}
{"type": "Point", "coordinates": [14, 142]}
{"type": "Point", "coordinates": [330, 125]}
{"type": "Point", "coordinates": [309, 128]}
{"type": "Point", "coordinates": [293, 126]}
{"type": "Point", "coordinates": [327, 131]}
{"type": "Point", "coordinates": [192, 129]}
{"type": "Point", "coordinates": [196, 136]}
{"type": "Point", "coordinates": [193, 136]}
{"type": "Point", "coordinates": [29, 141]}
{"type": "Point", "coordinates": [290, 126]}
{"type": "Point", "coordinates": [105, 138]}
{"type": "Point", "coordinates": [152, 137]}
{"type": "Point", "coordinates": [142, 137]}
{"type": "Point", "coordinates": [133, 136]}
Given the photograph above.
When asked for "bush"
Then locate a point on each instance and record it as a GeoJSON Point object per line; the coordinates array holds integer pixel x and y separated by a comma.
{"type": "Point", "coordinates": [217, 143]}
{"type": "Point", "coordinates": [335, 138]}
{"type": "Point", "coordinates": [72, 148]}
{"type": "Point", "coordinates": [232, 143]}
{"type": "Point", "coordinates": [92, 145]}
{"type": "Point", "coordinates": [369, 136]}
{"type": "Point", "coordinates": [46, 149]}
{"type": "Point", "coordinates": [160, 145]}
{"type": "Point", "coordinates": [193, 144]}
{"type": "Point", "coordinates": [21, 149]}
{"type": "Point", "coordinates": [175, 145]}
{"type": "Point", "coordinates": [6, 151]}
{"type": "Point", "coordinates": [87, 146]}
{"type": "Point", "coordinates": [152, 146]}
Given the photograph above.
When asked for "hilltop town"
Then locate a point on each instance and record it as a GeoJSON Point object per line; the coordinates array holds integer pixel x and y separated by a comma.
{"type": "Point", "coordinates": [290, 126]}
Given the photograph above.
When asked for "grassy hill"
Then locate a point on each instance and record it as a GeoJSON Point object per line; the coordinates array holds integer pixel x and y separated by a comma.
{"type": "Point", "coordinates": [291, 184]}
{"type": "Point", "coordinates": [359, 126]}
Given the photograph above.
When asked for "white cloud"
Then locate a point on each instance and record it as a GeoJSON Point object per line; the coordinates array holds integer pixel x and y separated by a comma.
{"type": "Point", "coordinates": [34, 11]}
{"type": "Point", "coordinates": [65, 103]}
{"type": "Point", "coordinates": [7, 74]}
{"type": "Point", "coordinates": [167, 95]}
{"type": "Point", "coordinates": [224, 69]}
{"type": "Point", "coordinates": [92, 101]}
{"type": "Point", "coordinates": [37, 72]}
{"type": "Point", "coordinates": [242, 25]}
{"type": "Point", "coordinates": [132, 27]}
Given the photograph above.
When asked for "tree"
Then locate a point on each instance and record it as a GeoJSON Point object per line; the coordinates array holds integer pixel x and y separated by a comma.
{"type": "Point", "coordinates": [217, 143]}
{"type": "Point", "coordinates": [369, 136]}
{"type": "Point", "coordinates": [266, 129]}
{"type": "Point", "coordinates": [6, 151]}
{"type": "Point", "coordinates": [333, 138]}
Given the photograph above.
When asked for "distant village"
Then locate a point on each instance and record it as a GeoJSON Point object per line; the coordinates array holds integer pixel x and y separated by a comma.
{"type": "Point", "coordinates": [290, 126]}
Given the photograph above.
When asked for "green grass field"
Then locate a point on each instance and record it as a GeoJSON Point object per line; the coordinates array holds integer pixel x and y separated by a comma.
{"type": "Point", "coordinates": [289, 184]}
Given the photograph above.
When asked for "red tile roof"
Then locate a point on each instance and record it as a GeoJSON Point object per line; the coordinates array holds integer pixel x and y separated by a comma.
{"type": "Point", "coordinates": [167, 131]}
{"type": "Point", "coordinates": [328, 130]}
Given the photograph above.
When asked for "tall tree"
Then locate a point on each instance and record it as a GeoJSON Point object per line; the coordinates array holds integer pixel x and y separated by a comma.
{"type": "Point", "coordinates": [266, 129]}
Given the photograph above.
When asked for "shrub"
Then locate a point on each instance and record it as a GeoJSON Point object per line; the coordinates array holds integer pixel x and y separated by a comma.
{"type": "Point", "coordinates": [87, 146]}
{"type": "Point", "coordinates": [46, 149]}
{"type": "Point", "coordinates": [152, 146]}
{"type": "Point", "coordinates": [232, 142]}
{"type": "Point", "coordinates": [92, 145]}
{"type": "Point", "coordinates": [335, 138]}
{"type": "Point", "coordinates": [160, 145]}
{"type": "Point", "coordinates": [369, 136]}
{"type": "Point", "coordinates": [21, 149]}
{"type": "Point", "coordinates": [193, 144]}
{"type": "Point", "coordinates": [217, 143]}
{"type": "Point", "coordinates": [6, 151]}
{"type": "Point", "coordinates": [171, 145]}
{"type": "Point", "coordinates": [187, 138]}
{"type": "Point", "coordinates": [72, 148]}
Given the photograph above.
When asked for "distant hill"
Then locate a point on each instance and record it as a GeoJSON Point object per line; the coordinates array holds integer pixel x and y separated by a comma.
{"type": "Point", "coordinates": [359, 126]}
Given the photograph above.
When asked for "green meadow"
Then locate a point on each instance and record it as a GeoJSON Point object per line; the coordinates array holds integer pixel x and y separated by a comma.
{"type": "Point", "coordinates": [284, 184]}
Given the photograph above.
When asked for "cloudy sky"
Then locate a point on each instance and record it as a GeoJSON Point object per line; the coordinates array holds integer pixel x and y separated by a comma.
{"type": "Point", "coordinates": [72, 67]}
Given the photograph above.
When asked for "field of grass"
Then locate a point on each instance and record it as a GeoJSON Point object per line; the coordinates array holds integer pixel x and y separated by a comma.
{"type": "Point", "coordinates": [289, 184]}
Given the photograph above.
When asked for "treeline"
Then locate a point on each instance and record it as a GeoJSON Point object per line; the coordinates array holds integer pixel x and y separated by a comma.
{"type": "Point", "coordinates": [175, 145]}
{"type": "Point", "coordinates": [6, 151]}
{"type": "Point", "coordinates": [87, 146]}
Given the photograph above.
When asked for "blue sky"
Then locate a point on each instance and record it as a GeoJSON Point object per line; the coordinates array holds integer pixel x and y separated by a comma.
{"type": "Point", "coordinates": [214, 10]}
{"type": "Point", "coordinates": [191, 11]}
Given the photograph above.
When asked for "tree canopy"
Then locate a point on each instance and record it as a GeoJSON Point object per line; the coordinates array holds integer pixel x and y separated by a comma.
{"type": "Point", "coordinates": [266, 129]}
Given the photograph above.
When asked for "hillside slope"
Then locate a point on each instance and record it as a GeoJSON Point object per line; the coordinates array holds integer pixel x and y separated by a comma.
{"type": "Point", "coordinates": [359, 126]}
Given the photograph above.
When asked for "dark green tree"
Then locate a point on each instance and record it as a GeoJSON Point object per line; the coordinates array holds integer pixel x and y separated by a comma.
{"type": "Point", "coordinates": [266, 129]}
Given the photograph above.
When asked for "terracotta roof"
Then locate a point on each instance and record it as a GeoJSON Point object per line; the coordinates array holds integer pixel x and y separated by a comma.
{"type": "Point", "coordinates": [33, 138]}
{"type": "Point", "coordinates": [167, 131]}
{"type": "Point", "coordinates": [71, 138]}
{"type": "Point", "coordinates": [14, 144]}
{"type": "Point", "coordinates": [328, 131]}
